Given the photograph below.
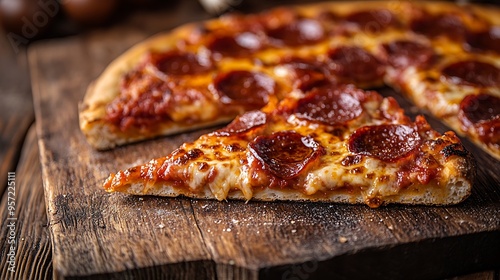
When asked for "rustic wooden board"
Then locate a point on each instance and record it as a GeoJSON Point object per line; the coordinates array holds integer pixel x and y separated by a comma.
{"type": "Point", "coordinates": [16, 108]}
{"type": "Point", "coordinates": [101, 235]}
{"type": "Point", "coordinates": [33, 250]}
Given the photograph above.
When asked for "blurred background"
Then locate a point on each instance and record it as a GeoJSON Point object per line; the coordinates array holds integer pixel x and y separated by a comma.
{"type": "Point", "coordinates": [25, 21]}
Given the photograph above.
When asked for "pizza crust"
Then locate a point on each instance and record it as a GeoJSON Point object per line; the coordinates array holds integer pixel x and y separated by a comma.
{"type": "Point", "coordinates": [456, 191]}
{"type": "Point", "coordinates": [458, 175]}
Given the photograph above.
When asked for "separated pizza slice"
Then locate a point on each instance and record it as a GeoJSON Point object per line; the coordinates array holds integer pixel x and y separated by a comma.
{"type": "Point", "coordinates": [335, 144]}
{"type": "Point", "coordinates": [168, 92]}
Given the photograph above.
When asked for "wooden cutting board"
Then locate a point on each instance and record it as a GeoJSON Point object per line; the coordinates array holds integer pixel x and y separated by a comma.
{"type": "Point", "coordinates": [101, 235]}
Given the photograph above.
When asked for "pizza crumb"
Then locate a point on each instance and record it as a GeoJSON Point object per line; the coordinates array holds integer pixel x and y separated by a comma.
{"type": "Point", "coordinates": [342, 239]}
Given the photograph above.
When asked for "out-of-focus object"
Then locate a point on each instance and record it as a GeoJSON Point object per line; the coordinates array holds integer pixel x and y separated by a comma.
{"type": "Point", "coordinates": [27, 18]}
{"type": "Point", "coordinates": [143, 3]}
{"type": "Point", "coordinates": [217, 7]}
{"type": "Point", "coordinates": [89, 12]}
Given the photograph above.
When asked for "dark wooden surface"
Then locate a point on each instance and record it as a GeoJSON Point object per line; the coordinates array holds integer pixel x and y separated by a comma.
{"type": "Point", "coordinates": [33, 250]}
{"type": "Point", "coordinates": [16, 107]}
{"type": "Point", "coordinates": [99, 235]}
{"type": "Point", "coordinates": [19, 153]}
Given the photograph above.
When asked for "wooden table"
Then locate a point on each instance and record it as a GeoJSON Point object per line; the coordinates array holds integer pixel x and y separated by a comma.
{"type": "Point", "coordinates": [35, 232]}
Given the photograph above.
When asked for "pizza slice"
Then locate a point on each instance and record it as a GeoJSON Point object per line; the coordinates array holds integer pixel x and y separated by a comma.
{"type": "Point", "coordinates": [148, 93]}
{"type": "Point", "coordinates": [335, 144]}
{"type": "Point", "coordinates": [451, 68]}
{"type": "Point", "coordinates": [463, 92]}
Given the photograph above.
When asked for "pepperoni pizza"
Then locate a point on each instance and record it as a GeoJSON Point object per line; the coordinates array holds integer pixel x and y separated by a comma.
{"type": "Point", "coordinates": [337, 144]}
{"type": "Point", "coordinates": [304, 128]}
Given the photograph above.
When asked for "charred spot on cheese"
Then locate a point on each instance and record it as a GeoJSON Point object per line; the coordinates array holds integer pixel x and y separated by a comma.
{"type": "Point", "coordinates": [352, 160]}
{"type": "Point", "coordinates": [298, 32]}
{"type": "Point", "coordinates": [357, 170]}
{"type": "Point", "coordinates": [180, 63]}
{"type": "Point", "coordinates": [472, 72]}
{"type": "Point", "coordinates": [243, 123]}
{"type": "Point", "coordinates": [286, 153]}
{"type": "Point", "coordinates": [182, 157]}
{"type": "Point", "coordinates": [330, 106]}
{"type": "Point", "coordinates": [203, 166]}
{"type": "Point", "coordinates": [456, 149]}
{"type": "Point", "coordinates": [355, 64]}
{"type": "Point", "coordinates": [388, 142]}
{"type": "Point", "coordinates": [235, 147]}
{"type": "Point", "coordinates": [248, 89]}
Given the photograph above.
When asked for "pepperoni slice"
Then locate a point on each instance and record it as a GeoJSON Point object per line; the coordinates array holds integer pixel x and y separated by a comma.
{"type": "Point", "coordinates": [286, 153]}
{"type": "Point", "coordinates": [144, 110]}
{"type": "Point", "coordinates": [328, 16]}
{"type": "Point", "coordinates": [249, 89]}
{"type": "Point", "coordinates": [299, 32]}
{"type": "Point", "coordinates": [356, 64]}
{"type": "Point", "coordinates": [483, 112]}
{"type": "Point", "coordinates": [180, 63]}
{"type": "Point", "coordinates": [488, 40]}
{"type": "Point", "coordinates": [404, 53]}
{"type": "Point", "coordinates": [474, 73]}
{"type": "Point", "coordinates": [330, 106]}
{"type": "Point", "coordinates": [306, 74]}
{"type": "Point", "coordinates": [240, 45]}
{"type": "Point", "coordinates": [373, 20]}
{"type": "Point", "coordinates": [243, 123]}
{"type": "Point", "coordinates": [448, 25]}
{"type": "Point", "coordinates": [388, 142]}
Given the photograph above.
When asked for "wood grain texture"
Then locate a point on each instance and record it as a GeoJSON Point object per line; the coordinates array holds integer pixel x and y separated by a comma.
{"type": "Point", "coordinates": [33, 247]}
{"type": "Point", "coordinates": [16, 108]}
{"type": "Point", "coordinates": [101, 235]}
